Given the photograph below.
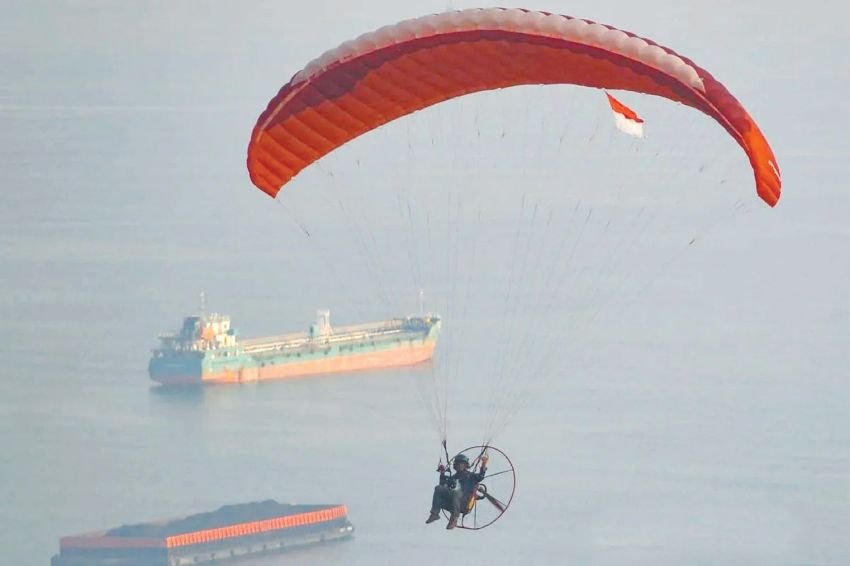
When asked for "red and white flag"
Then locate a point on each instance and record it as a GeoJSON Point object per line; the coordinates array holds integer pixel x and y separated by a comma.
{"type": "Point", "coordinates": [625, 118]}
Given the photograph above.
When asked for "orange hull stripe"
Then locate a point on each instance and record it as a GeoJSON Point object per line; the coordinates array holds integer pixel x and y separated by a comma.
{"type": "Point", "coordinates": [256, 527]}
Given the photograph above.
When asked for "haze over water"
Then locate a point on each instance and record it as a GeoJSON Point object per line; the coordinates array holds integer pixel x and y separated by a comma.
{"type": "Point", "coordinates": [707, 424]}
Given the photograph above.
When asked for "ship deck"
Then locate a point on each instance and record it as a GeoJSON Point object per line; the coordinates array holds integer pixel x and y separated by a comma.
{"type": "Point", "coordinates": [341, 335]}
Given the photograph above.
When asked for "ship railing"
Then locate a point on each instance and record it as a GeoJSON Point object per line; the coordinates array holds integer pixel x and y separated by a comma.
{"type": "Point", "coordinates": [273, 346]}
{"type": "Point", "coordinates": [279, 339]}
{"type": "Point", "coordinates": [354, 336]}
{"type": "Point", "coordinates": [301, 340]}
{"type": "Point", "coordinates": [346, 331]}
{"type": "Point", "coordinates": [268, 346]}
{"type": "Point", "coordinates": [371, 326]}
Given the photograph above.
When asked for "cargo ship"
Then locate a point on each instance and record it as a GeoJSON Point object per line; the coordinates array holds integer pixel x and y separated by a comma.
{"type": "Point", "coordinates": [230, 533]}
{"type": "Point", "coordinates": [208, 350]}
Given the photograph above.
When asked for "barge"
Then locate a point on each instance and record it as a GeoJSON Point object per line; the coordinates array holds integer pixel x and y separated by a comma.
{"type": "Point", "coordinates": [226, 535]}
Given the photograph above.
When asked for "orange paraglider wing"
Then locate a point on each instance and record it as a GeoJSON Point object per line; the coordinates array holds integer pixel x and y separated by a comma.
{"type": "Point", "coordinates": [402, 68]}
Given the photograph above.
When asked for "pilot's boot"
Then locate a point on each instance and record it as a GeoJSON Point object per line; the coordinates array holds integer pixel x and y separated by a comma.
{"type": "Point", "coordinates": [434, 516]}
{"type": "Point", "coordinates": [452, 521]}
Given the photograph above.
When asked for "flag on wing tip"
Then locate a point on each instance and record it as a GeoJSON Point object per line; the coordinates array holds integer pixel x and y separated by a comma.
{"type": "Point", "coordinates": [625, 118]}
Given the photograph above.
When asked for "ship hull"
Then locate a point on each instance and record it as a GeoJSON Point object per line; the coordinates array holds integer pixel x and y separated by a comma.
{"type": "Point", "coordinates": [193, 373]}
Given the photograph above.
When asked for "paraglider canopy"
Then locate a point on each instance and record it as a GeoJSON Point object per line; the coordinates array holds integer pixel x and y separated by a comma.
{"type": "Point", "coordinates": [401, 68]}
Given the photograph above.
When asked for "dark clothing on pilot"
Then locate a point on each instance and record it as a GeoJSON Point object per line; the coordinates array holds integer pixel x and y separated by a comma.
{"type": "Point", "coordinates": [447, 495]}
{"type": "Point", "coordinates": [446, 498]}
